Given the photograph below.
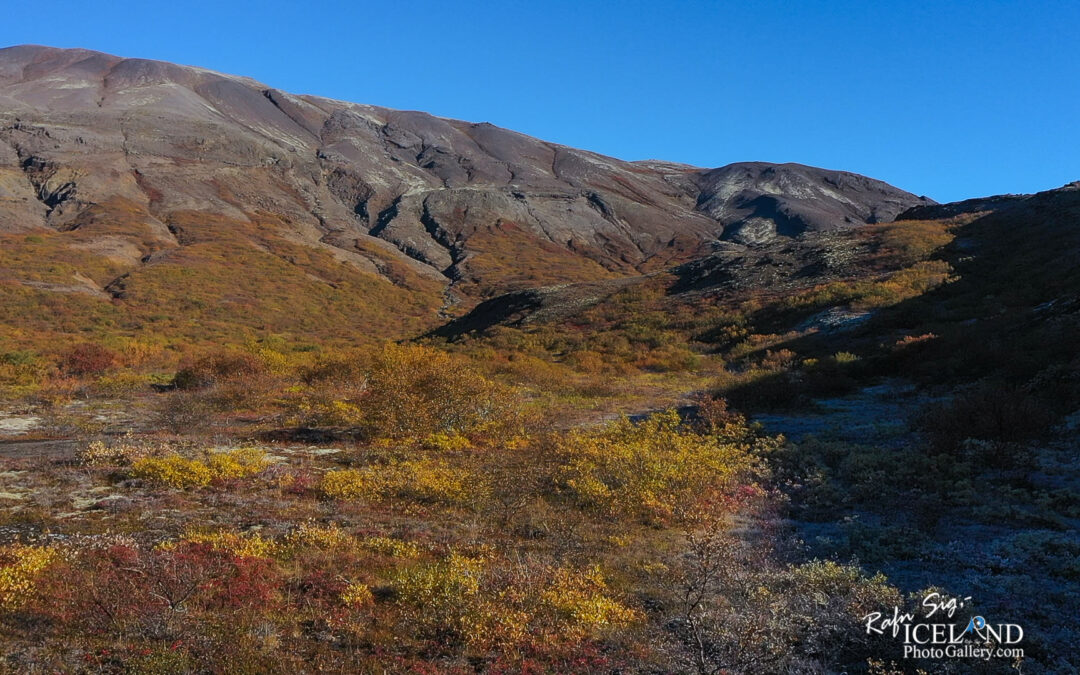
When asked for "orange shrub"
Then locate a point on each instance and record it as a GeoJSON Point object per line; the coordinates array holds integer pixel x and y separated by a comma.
{"type": "Point", "coordinates": [217, 367]}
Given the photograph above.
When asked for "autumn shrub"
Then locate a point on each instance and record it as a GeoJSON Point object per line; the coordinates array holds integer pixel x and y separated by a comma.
{"type": "Point", "coordinates": [827, 602]}
{"type": "Point", "coordinates": [587, 361]}
{"type": "Point", "coordinates": [347, 367]}
{"type": "Point", "coordinates": [217, 367]}
{"type": "Point", "coordinates": [164, 593]}
{"type": "Point", "coordinates": [323, 537]}
{"type": "Point", "coordinates": [173, 470]}
{"type": "Point", "coordinates": [118, 452]}
{"type": "Point", "coordinates": [229, 381]}
{"type": "Point", "coordinates": [327, 405]}
{"type": "Point", "coordinates": [332, 387]}
{"type": "Point", "coordinates": [236, 463]}
{"type": "Point", "coordinates": [20, 568]}
{"type": "Point", "coordinates": [655, 468]}
{"type": "Point", "coordinates": [669, 359]}
{"type": "Point", "coordinates": [903, 284]}
{"type": "Point", "coordinates": [122, 383]}
{"type": "Point", "coordinates": [274, 353]}
{"type": "Point", "coordinates": [757, 389]}
{"type": "Point", "coordinates": [905, 242]}
{"type": "Point", "coordinates": [779, 360]}
{"type": "Point", "coordinates": [434, 481]}
{"type": "Point", "coordinates": [447, 442]}
{"type": "Point", "coordinates": [714, 416]}
{"type": "Point", "coordinates": [485, 603]}
{"type": "Point", "coordinates": [422, 480]}
{"type": "Point", "coordinates": [137, 353]}
{"type": "Point", "coordinates": [582, 602]}
{"type": "Point", "coordinates": [22, 373]}
{"type": "Point", "coordinates": [177, 471]}
{"type": "Point", "coordinates": [357, 594]}
{"type": "Point", "coordinates": [443, 597]}
{"type": "Point", "coordinates": [19, 358]}
{"type": "Point", "coordinates": [413, 390]}
{"type": "Point", "coordinates": [87, 358]}
{"type": "Point", "coordinates": [248, 545]}
{"type": "Point", "coordinates": [532, 369]}
{"type": "Point", "coordinates": [735, 610]}
{"type": "Point", "coordinates": [389, 546]}
{"type": "Point", "coordinates": [830, 376]}
{"type": "Point", "coordinates": [401, 391]}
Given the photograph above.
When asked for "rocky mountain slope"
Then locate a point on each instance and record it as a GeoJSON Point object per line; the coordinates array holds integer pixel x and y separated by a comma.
{"type": "Point", "coordinates": [130, 174]}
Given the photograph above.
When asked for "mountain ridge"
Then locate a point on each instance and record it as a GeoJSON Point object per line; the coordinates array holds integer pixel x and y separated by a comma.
{"type": "Point", "coordinates": [140, 165]}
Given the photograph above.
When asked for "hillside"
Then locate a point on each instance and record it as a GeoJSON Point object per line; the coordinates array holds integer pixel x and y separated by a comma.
{"type": "Point", "coordinates": [128, 187]}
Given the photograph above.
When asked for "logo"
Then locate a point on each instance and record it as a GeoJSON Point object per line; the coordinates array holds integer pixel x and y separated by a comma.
{"type": "Point", "coordinates": [943, 631]}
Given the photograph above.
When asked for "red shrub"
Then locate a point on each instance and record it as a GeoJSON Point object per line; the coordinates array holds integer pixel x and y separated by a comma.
{"type": "Point", "coordinates": [248, 583]}
{"type": "Point", "coordinates": [160, 593]}
{"type": "Point", "coordinates": [87, 359]}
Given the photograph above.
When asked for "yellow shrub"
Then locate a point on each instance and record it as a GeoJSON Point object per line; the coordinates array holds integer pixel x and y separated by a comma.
{"type": "Point", "coordinates": [488, 605]}
{"type": "Point", "coordinates": [181, 472]}
{"type": "Point", "coordinates": [20, 567]}
{"type": "Point", "coordinates": [843, 584]}
{"type": "Point", "coordinates": [392, 547]}
{"type": "Point", "coordinates": [136, 353]}
{"type": "Point", "coordinates": [414, 390]}
{"type": "Point", "coordinates": [447, 442]}
{"type": "Point", "coordinates": [432, 481]}
{"type": "Point", "coordinates": [444, 594]}
{"type": "Point", "coordinates": [316, 536]}
{"type": "Point", "coordinates": [350, 484]}
{"type": "Point", "coordinates": [22, 373]}
{"type": "Point", "coordinates": [357, 595]}
{"type": "Point", "coordinates": [908, 241]}
{"type": "Point", "coordinates": [653, 468]}
{"type": "Point", "coordinates": [423, 480]}
{"type": "Point", "coordinates": [121, 383]}
{"type": "Point", "coordinates": [907, 283]}
{"type": "Point", "coordinates": [243, 545]}
{"type": "Point", "coordinates": [580, 599]}
{"type": "Point", "coordinates": [172, 470]}
{"type": "Point", "coordinates": [238, 463]}
{"type": "Point", "coordinates": [329, 405]}
{"type": "Point", "coordinates": [271, 352]}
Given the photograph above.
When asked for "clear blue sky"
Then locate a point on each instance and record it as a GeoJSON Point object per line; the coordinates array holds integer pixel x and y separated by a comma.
{"type": "Point", "coordinates": [947, 99]}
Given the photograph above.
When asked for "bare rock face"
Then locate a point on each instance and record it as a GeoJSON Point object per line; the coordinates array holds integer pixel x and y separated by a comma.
{"type": "Point", "coordinates": [756, 201]}
{"type": "Point", "coordinates": [474, 206]}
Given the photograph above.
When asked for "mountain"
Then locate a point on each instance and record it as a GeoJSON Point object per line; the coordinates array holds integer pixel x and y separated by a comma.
{"type": "Point", "coordinates": [147, 185]}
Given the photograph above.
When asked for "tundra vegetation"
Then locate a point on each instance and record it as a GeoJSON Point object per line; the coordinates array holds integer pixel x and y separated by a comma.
{"type": "Point", "coordinates": [584, 494]}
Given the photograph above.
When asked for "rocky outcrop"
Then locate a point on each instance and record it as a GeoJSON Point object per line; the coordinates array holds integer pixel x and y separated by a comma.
{"type": "Point", "coordinates": [755, 201]}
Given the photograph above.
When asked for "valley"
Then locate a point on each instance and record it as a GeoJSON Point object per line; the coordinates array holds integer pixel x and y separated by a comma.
{"type": "Point", "coordinates": [292, 384]}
